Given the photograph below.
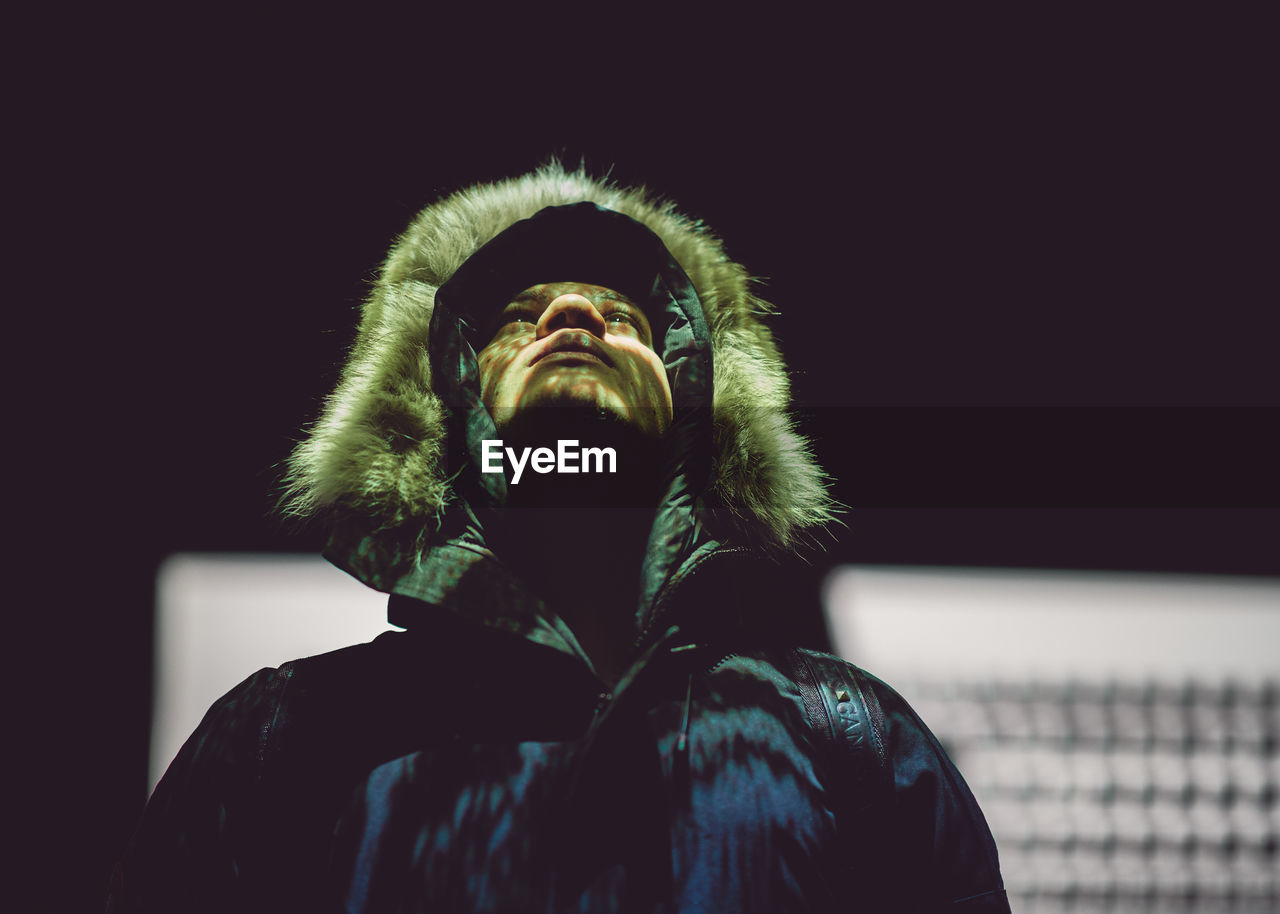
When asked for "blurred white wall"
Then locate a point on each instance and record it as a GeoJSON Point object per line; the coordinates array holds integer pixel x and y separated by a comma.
{"type": "Point", "coordinates": [220, 618]}
{"type": "Point", "coordinates": [971, 623]}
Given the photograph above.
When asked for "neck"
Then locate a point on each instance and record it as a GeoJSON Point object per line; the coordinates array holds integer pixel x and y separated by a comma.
{"type": "Point", "coordinates": [585, 564]}
{"type": "Point", "coordinates": [580, 541]}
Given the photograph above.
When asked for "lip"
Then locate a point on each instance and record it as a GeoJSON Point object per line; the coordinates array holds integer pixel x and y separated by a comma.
{"type": "Point", "coordinates": [572, 342]}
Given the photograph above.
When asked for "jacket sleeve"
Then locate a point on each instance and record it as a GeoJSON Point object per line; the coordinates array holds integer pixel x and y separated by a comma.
{"type": "Point", "coordinates": [935, 823]}
{"type": "Point", "coordinates": [194, 847]}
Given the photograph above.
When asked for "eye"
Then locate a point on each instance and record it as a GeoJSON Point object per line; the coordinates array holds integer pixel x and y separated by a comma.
{"type": "Point", "coordinates": [628, 323]}
{"type": "Point", "coordinates": [519, 316]}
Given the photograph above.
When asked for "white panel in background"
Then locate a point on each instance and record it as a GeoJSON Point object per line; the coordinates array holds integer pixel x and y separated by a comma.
{"type": "Point", "coordinates": [965, 623]}
{"type": "Point", "coordinates": [220, 618]}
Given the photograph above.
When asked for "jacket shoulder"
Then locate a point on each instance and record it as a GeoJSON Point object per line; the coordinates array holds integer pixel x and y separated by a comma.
{"type": "Point", "coordinates": [185, 836]}
{"type": "Point", "coordinates": [891, 770]}
{"type": "Point", "coordinates": [937, 819]}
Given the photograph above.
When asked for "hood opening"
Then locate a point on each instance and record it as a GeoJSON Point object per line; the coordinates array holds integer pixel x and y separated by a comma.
{"type": "Point", "coordinates": [586, 243]}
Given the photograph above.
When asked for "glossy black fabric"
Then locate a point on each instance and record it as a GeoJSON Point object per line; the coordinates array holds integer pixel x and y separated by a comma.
{"type": "Point", "coordinates": [452, 767]}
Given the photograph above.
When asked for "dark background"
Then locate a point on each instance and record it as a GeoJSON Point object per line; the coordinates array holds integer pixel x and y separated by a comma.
{"type": "Point", "coordinates": [1025, 274]}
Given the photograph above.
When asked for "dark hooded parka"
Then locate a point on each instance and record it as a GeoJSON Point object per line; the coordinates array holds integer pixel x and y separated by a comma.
{"type": "Point", "coordinates": [475, 761]}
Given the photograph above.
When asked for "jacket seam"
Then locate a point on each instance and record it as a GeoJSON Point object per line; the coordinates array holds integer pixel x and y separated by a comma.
{"type": "Point", "coordinates": [283, 677]}
{"type": "Point", "coordinates": [676, 581]}
{"type": "Point", "coordinates": [985, 894]}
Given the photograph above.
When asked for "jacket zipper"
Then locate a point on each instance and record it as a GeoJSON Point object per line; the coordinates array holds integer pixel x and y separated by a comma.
{"type": "Point", "coordinates": [721, 662]}
{"type": "Point", "coordinates": [602, 702]}
{"type": "Point", "coordinates": [606, 696]}
{"type": "Point", "coordinates": [664, 595]}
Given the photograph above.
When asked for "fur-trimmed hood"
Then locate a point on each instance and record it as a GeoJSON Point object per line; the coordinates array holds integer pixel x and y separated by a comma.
{"type": "Point", "coordinates": [376, 455]}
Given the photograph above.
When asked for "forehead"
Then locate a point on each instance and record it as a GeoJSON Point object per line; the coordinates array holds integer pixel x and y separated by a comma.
{"type": "Point", "coordinates": [546, 292]}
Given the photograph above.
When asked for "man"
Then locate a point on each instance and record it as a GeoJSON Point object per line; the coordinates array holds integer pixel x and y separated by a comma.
{"type": "Point", "coordinates": [561, 446]}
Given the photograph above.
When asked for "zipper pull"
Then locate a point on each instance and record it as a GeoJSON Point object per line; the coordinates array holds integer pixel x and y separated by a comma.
{"type": "Point", "coordinates": [682, 744]}
{"type": "Point", "coordinates": [602, 701]}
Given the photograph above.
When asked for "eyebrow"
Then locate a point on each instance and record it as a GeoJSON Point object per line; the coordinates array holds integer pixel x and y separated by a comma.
{"type": "Point", "coordinates": [619, 296]}
{"type": "Point", "coordinates": [527, 297]}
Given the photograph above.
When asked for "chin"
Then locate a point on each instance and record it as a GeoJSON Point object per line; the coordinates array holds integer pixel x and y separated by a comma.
{"type": "Point", "coordinates": [561, 419]}
{"type": "Point", "coordinates": [577, 409]}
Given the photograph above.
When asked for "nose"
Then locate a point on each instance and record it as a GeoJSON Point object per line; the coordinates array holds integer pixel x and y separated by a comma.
{"type": "Point", "coordinates": [571, 310]}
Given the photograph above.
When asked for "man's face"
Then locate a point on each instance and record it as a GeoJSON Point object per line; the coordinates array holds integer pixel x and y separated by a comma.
{"type": "Point", "coordinates": [575, 344]}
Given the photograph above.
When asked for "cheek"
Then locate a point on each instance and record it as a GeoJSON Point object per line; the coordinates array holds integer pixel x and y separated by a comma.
{"type": "Point", "coordinates": [663, 386]}
{"type": "Point", "coordinates": [654, 378]}
{"type": "Point", "coordinates": [495, 362]}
